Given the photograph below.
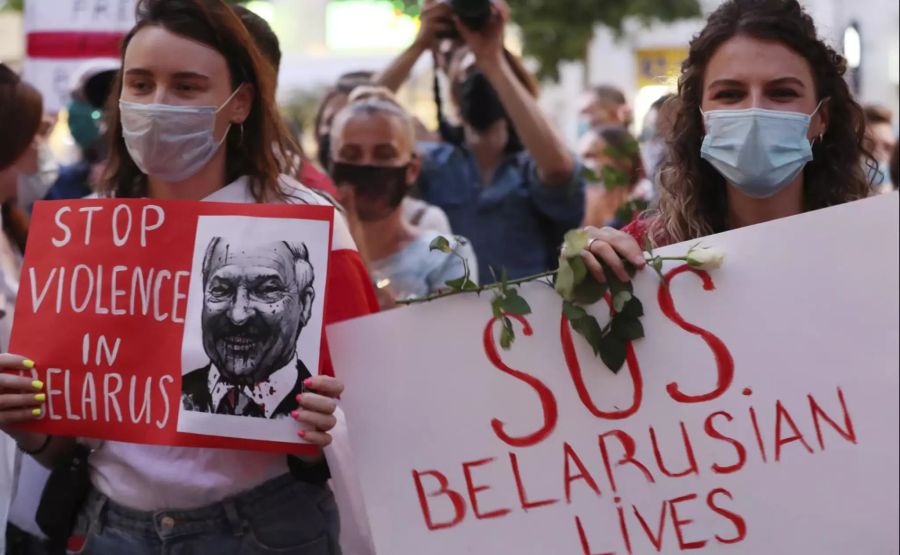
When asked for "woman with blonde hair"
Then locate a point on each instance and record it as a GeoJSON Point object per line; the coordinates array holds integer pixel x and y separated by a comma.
{"type": "Point", "coordinates": [374, 165]}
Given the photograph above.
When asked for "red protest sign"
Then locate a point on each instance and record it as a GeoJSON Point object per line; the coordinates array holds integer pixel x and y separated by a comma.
{"type": "Point", "coordinates": [176, 323]}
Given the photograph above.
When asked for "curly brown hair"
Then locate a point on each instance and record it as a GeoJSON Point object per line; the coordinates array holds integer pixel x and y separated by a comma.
{"type": "Point", "coordinates": [692, 200]}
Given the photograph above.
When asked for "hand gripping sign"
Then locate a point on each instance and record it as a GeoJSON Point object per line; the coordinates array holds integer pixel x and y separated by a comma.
{"type": "Point", "coordinates": [177, 323]}
{"type": "Point", "coordinates": [758, 415]}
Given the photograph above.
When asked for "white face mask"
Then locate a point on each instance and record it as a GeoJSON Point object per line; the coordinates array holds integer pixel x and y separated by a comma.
{"type": "Point", "coordinates": [171, 142]}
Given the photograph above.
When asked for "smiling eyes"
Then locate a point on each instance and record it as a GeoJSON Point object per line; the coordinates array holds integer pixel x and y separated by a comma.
{"type": "Point", "coordinates": [267, 290]}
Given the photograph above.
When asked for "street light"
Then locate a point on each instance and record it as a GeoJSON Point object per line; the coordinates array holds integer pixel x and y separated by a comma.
{"type": "Point", "coordinates": [852, 46]}
{"type": "Point", "coordinates": [853, 54]}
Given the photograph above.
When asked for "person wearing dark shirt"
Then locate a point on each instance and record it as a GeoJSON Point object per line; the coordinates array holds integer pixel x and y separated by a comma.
{"type": "Point", "coordinates": [510, 185]}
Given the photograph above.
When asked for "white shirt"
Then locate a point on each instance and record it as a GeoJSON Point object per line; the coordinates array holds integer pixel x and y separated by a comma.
{"type": "Point", "coordinates": [10, 261]}
{"type": "Point", "coordinates": [280, 383]}
{"type": "Point", "coordinates": [428, 217]}
{"type": "Point", "coordinates": [158, 477]}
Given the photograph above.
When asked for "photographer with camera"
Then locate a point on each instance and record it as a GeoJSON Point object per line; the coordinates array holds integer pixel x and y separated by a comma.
{"type": "Point", "coordinates": [510, 185]}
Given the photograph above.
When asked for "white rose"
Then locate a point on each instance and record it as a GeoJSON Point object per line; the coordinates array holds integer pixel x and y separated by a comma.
{"type": "Point", "coordinates": [705, 258]}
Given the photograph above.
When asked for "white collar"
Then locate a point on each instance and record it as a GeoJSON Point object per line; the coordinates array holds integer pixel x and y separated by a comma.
{"type": "Point", "coordinates": [268, 394]}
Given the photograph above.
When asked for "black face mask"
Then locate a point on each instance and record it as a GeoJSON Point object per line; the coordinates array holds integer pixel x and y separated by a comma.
{"type": "Point", "coordinates": [479, 104]}
{"type": "Point", "coordinates": [373, 186]}
{"type": "Point", "coordinates": [325, 150]}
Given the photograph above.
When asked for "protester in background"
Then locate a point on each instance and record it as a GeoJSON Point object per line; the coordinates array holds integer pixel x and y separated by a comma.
{"type": "Point", "coordinates": [766, 128]}
{"type": "Point", "coordinates": [374, 165]}
{"type": "Point", "coordinates": [514, 203]}
{"type": "Point", "coordinates": [414, 210]}
{"type": "Point", "coordinates": [266, 40]}
{"type": "Point", "coordinates": [333, 102]}
{"type": "Point", "coordinates": [90, 89]}
{"type": "Point", "coordinates": [182, 58]}
{"type": "Point", "coordinates": [438, 37]}
{"type": "Point", "coordinates": [38, 177]}
{"type": "Point", "coordinates": [657, 127]}
{"type": "Point", "coordinates": [603, 105]}
{"type": "Point", "coordinates": [621, 190]}
{"type": "Point", "coordinates": [21, 113]}
{"type": "Point", "coordinates": [880, 141]}
{"type": "Point", "coordinates": [895, 166]}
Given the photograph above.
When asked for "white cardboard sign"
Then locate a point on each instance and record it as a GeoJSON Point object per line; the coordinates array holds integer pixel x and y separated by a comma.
{"type": "Point", "coordinates": [461, 447]}
{"type": "Point", "coordinates": [65, 36]}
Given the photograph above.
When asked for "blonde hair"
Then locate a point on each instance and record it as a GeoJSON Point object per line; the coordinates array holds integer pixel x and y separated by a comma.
{"type": "Point", "coordinates": [371, 100]}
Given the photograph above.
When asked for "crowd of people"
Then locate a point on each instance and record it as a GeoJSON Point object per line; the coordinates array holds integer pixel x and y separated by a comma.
{"type": "Point", "coordinates": [763, 126]}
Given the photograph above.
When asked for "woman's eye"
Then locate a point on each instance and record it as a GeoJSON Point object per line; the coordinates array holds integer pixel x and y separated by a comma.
{"type": "Point", "coordinates": [728, 95]}
{"type": "Point", "coordinates": [785, 93]}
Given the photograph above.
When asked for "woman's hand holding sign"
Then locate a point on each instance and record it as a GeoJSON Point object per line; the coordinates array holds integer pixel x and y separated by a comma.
{"type": "Point", "coordinates": [317, 409]}
{"type": "Point", "coordinates": [21, 398]}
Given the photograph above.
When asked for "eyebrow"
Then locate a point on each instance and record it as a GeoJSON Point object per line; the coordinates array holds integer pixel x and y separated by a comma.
{"type": "Point", "coordinates": [737, 83]}
{"type": "Point", "coordinates": [179, 75]}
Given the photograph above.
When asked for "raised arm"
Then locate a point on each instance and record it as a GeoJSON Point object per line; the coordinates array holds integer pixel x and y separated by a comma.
{"type": "Point", "coordinates": [554, 162]}
{"type": "Point", "coordinates": [436, 21]}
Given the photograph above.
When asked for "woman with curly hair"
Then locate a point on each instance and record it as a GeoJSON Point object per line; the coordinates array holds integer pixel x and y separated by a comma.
{"type": "Point", "coordinates": [766, 128]}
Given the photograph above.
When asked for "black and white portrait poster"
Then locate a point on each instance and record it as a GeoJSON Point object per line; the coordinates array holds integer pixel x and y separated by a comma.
{"type": "Point", "coordinates": [253, 325]}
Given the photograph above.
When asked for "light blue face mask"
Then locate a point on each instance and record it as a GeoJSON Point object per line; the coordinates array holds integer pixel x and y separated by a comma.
{"type": "Point", "coordinates": [584, 125]}
{"type": "Point", "coordinates": [758, 151]}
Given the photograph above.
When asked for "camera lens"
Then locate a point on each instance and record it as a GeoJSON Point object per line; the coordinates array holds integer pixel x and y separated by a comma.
{"type": "Point", "coordinates": [474, 14]}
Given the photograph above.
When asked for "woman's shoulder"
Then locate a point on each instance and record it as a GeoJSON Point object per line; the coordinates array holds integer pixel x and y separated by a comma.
{"type": "Point", "coordinates": [297, 193]}
{"type": "Point", "coordinates": [641, 227]}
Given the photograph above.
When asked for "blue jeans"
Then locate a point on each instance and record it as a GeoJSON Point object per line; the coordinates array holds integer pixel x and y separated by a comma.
{"type": "Point", "coordinates": [283, 516]}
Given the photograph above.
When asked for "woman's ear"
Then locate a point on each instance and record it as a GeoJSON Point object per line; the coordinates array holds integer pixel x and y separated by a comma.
{"type": "Point", "coordinates": [819, 125]}
{"type": "Point", "coordinates": [242, 103]}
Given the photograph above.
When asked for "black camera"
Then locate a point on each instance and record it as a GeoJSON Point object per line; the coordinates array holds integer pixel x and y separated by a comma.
{"type": "Point", "coordinates": [474, 14]}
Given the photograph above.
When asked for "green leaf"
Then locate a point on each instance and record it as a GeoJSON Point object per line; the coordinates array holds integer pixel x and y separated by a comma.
{"type": "Point", "coordinates": [573, 312]}
{"type": "Point", "coordinates": [616, 285]}
{"type": "Point", "coordinates": [588, 175]}
{"type": "Point", "coordinates": [497, 306]}
{"type": "Point", "coordinates": [441, 244]}
{"type": "Point", "coordinates": [579, 269]}
{"type": "Point", "coordinates": [589, 328]}
{"type": "Point", "coordinates": [589, 291]}
{"type": "Point", "coordinates": [648, 244]}
{"type": "Point", "coordinates": [514, 304]}
{"type": "Point", "coordinates": [614, 178]}
{"type": "Point", "coordinates": [507, 334]}
{"type": "Point", "coordinates": [621, 298]}
{"type": "Point", "coordinates": [565, 279]}
{"type": "Point", "coordinates": [612, 352]}
{"type": "Point", "coordinates": [576, 241]}
{"type": "Point", "coordinates": [633, 309]}
{"type": "Point", "coordinates": [626, 329]}
{"type": "Point", "coordinates": [461, 284]}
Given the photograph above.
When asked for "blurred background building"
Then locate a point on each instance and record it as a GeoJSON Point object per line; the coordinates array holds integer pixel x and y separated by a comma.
{"type": "Point", "coordinates": [322, 39]}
